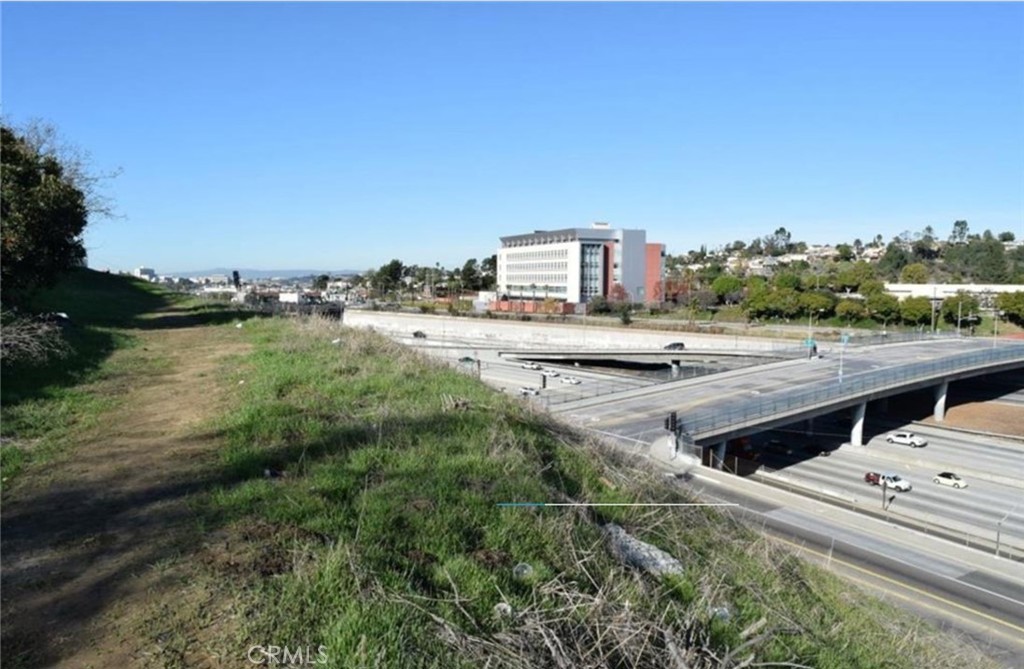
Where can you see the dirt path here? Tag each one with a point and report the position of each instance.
(84, 540)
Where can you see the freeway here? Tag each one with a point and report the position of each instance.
(955, 587)
(973, 514)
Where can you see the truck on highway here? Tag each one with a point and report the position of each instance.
(894, 481)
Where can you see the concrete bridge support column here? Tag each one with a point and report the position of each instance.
(857, 433)
(718, 455)
(675, 369)
(941, 391)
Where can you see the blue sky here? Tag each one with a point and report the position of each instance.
(341, 135)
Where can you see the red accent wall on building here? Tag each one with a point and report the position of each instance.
(609, 259)
(653, 286)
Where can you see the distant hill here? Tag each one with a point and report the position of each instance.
(251, 274)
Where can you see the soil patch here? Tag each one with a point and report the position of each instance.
(90, 543)
(995, 417)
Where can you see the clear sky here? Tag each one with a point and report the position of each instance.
(336, 136)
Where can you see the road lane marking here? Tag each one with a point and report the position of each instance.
(913, 588)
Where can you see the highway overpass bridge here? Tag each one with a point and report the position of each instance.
(714, 409)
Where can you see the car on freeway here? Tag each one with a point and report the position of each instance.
(906, 439)
(571, 380)
(894, 481)
(466, 360)
(419, 334)
(550, 373)
(528, 390)
(530, 365)
(950, 479)
(675, 346)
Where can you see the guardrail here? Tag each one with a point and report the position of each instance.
(712, 421)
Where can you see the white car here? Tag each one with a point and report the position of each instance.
(906, 439)
(950, 479)
(571, 380)
(529, 390)
(530, 365)
(550, 373)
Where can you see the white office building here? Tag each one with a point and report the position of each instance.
(577, 264)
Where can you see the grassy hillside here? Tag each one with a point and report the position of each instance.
(361, 516)
(352, 504)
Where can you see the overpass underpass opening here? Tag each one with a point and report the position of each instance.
(656, 371)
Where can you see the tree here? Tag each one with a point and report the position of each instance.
(959, 306)
(728, 288)
(914, 273)
(818, 302)
(44, 215)
(844, 252)
(852, 277)
(787, 280)
(470, 275)
(755, 249)
(894, 260)
(1012, 305)
(617, 293)
(871, 287)
(1007, 236)
(959, 234)
(598, 305)
(882, 307)
(388, 277)
(236, 280)
(850, 310)
(320, 282)
(916, 310)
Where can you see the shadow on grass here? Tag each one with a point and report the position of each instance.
(195, 317)
(80, 545)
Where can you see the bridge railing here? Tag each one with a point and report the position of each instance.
(861, 383)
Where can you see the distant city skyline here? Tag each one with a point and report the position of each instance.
(347, 134)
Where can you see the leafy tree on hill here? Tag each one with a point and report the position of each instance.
(893, 261)
(45, 202)
(787, 280)
(844, 252)
(728, 288)
(960, 232)
(1007, 236)
(853, 276)
(914, 273)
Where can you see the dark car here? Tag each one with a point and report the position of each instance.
(675, 346)
(419, 334)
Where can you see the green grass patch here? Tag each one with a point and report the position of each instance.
(361, 507)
